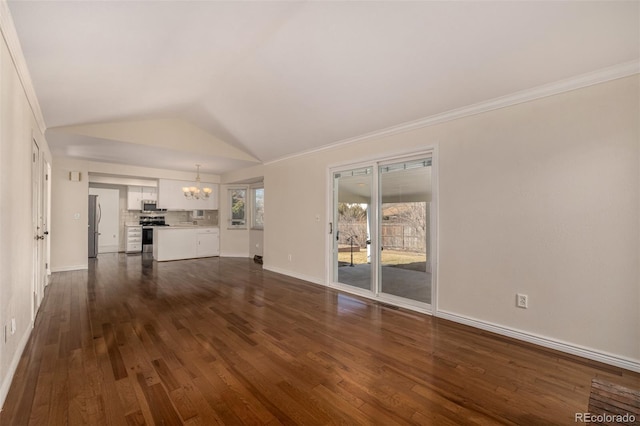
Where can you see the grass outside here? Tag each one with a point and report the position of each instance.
(389, 257)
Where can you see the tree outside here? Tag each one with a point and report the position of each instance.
(238, 197)
(404, 233)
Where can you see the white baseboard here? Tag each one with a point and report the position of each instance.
(8, 378)
(547, 342)
(303, 277)
(70, 268)
(231, 254)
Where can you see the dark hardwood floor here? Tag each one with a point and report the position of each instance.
(220, 341)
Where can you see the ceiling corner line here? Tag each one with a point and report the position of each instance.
(602, 75)
(10, 36)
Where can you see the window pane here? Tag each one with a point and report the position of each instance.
(258, 208)
(237, 197)
(352, 220)
(404, 230)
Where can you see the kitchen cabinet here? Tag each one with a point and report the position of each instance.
(171, 197)
(149, 193)
(176, 242)
(135, 195)
(208, 242)
(133, 235)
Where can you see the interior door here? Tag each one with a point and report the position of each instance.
(352, 196)
(38, 229)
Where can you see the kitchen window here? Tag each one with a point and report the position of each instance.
(257, 209)
(237, 208)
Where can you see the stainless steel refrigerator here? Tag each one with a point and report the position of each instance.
(94, 221)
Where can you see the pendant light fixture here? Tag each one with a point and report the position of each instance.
(196, 192)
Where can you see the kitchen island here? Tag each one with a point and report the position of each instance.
(185, 242)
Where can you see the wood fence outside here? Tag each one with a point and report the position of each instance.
(395, 236)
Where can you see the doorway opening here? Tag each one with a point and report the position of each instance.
(104, 220)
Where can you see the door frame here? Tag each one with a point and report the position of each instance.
(38, 272)
(375, 162)
(332, 246)
(108, 200)
(46, 204)
(41, 220)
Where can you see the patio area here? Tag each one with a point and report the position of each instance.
(398, 280)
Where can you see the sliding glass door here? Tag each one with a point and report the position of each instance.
(405, 229)
(382, 231)
(351, 223)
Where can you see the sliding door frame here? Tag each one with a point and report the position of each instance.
(331, 267)
(333, 227)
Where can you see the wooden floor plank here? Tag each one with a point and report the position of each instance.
(222, 341)
(162, 410)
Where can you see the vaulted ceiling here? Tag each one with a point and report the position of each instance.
(230, 84)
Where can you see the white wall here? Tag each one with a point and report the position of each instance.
(69, 209)
(256, 242)
(295, 192)
(18, 127)
(238, 242)
(547, 205)
(541, 198)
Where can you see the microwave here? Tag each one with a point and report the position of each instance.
(148, 206)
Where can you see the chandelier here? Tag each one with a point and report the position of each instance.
(196, 192)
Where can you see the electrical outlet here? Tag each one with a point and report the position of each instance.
(289, 258)
(522, 301)
(13, 326)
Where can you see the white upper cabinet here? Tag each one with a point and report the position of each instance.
(171, 197)
(149, 193)
(135, 195)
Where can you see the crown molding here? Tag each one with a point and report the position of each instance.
(10, 36)
(584, 80)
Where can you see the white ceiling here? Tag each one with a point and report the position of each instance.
(277, 78)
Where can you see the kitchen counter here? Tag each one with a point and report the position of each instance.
(185, 242)
(191, 225)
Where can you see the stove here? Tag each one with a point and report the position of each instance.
(148, 221)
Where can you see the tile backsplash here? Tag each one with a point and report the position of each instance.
(172, 218)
